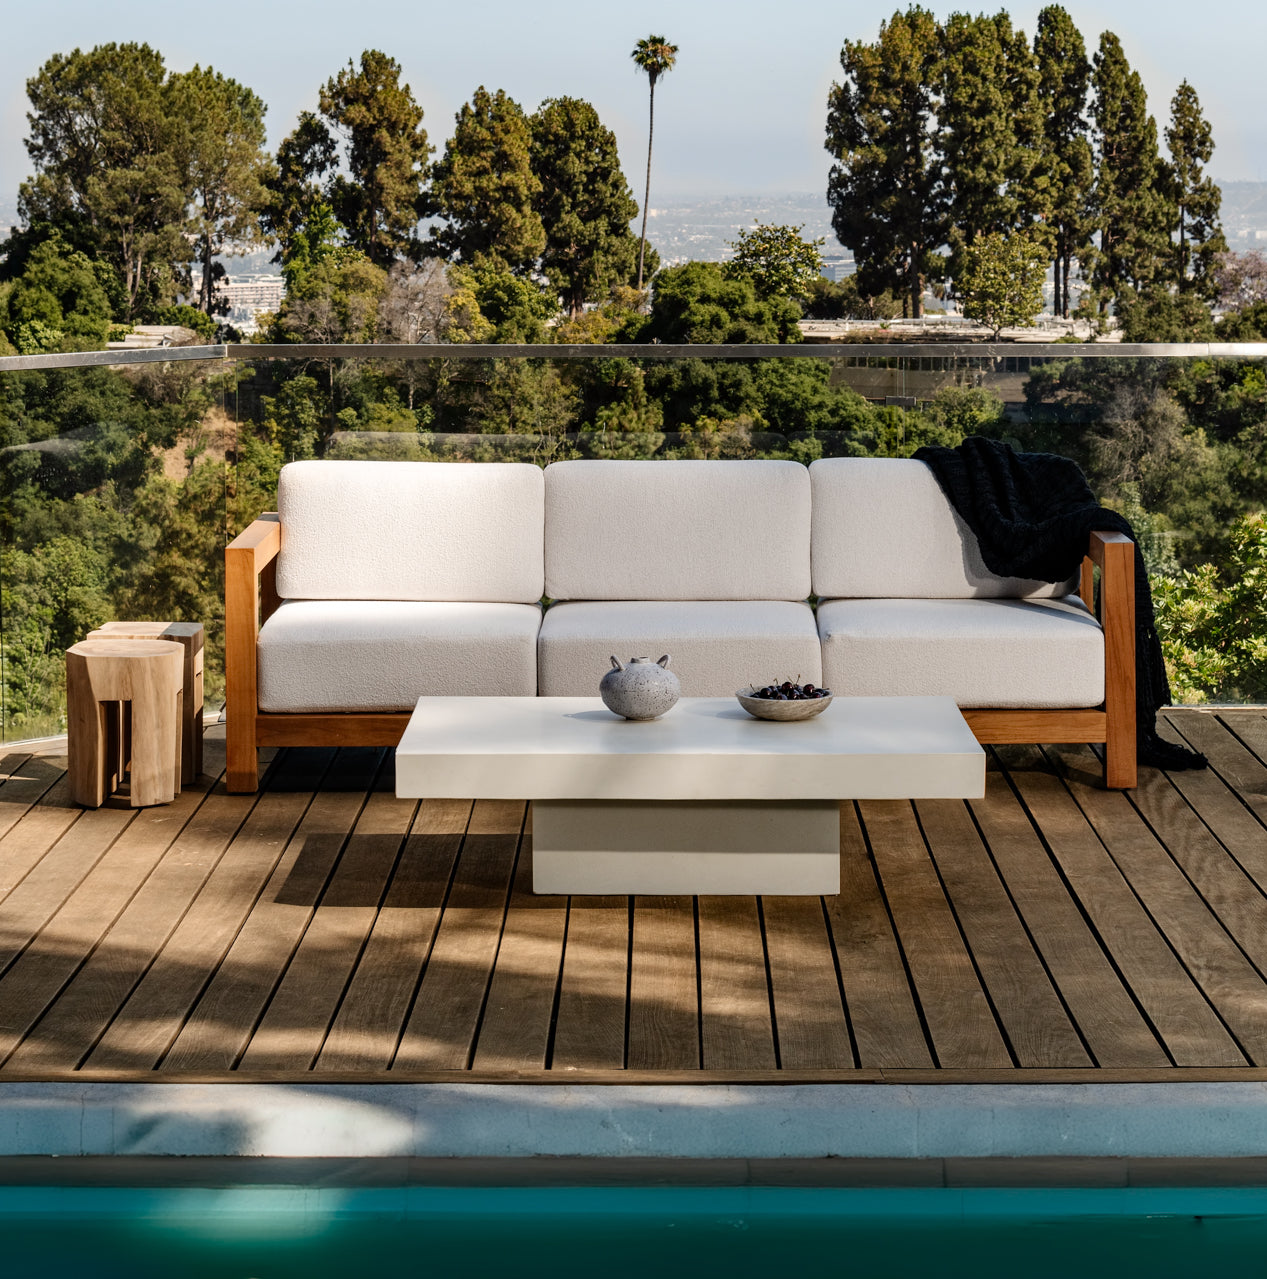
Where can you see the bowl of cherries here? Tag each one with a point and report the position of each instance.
(784, 701)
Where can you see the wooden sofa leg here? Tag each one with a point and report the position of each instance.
(242, 772)
(1117, 613)
(1120, 770)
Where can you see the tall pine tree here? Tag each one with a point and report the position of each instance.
(1064, 76)
(1195, 199)
(584, 203)
(990, 131)
(485, 188)
(886, 189)
(1132, 212)
(378, 201)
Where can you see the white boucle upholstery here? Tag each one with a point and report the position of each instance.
(382, 655)
(411, 531)
(677, 531)
(717, 647)
(1027, 654)
(883, 529)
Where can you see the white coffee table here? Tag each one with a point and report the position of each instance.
(704, 800)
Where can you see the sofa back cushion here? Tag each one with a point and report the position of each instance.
(411, 531)
(677, 531)
(883, 529)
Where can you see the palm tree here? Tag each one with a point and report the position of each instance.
(655, 55)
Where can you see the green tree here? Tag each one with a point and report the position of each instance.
(220, 147)
(1064, 76)
(61, 289)
(485, 188)
(1001, 282)
(700, 302)
(379, 199)
(1194, 198)
(584, 202)
(1131, 209)
(777, 260)
(1213, 621)
(102, 134)
(656, 56)
(886, 189)
(989, 130)
(295, 198)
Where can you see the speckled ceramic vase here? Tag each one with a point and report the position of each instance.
(642, 690)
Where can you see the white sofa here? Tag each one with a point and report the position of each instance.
(380, 582)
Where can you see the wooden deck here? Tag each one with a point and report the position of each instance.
(324, 929)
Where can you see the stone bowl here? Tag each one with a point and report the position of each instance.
(764, 708)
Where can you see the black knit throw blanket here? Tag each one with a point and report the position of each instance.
(1033, 515)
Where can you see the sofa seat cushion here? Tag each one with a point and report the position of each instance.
(1026, 654)
(382, 655)
(717, 647)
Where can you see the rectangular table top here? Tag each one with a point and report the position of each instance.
(704, 748)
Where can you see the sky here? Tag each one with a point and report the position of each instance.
(742, 113)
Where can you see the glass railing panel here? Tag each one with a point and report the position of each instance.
(118, 487)
(123, 483)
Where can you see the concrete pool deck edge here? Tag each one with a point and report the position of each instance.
(480, 1134)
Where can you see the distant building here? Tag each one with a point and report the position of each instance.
(837, 268)
(249, 296)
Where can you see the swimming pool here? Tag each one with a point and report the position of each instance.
(653, 1233)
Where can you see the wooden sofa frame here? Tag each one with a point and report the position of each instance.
(251, 596)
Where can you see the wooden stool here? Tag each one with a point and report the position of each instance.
(123, 712)
(189, 636)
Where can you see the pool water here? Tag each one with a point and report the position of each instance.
(609, 1233)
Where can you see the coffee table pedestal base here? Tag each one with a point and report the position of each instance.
(623, 847)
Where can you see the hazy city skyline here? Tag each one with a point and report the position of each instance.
(742, 113)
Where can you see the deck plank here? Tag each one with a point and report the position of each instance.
(1216, 963)
(83, 1011)
(515, 1031)
(1102, 1007)
(1232, 896)
(154, 1017)
(72, 935)
(882, 1012)
(368, 1026)
(810, 1021)
(303, 1007)
(55, 876)
(663, 990)
(1222, 811)
(1037, 1027)
(225, 1013)
(736, 1030)
(441, 1031)
(24, 780)
(1251, 727)
(37, 828)
(1178, 1012)
(1229, 757)
(594, 986)
(963, 1029)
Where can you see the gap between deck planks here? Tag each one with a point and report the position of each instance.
(1050, 931)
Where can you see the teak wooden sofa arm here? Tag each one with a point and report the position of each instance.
(250, 596)
(1114, 722)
